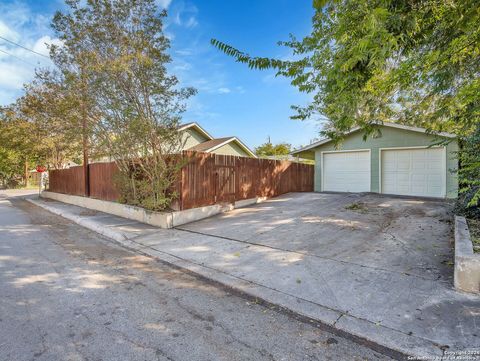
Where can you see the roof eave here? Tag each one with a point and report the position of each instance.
(229, 140)
(386, 124)
(197, 127)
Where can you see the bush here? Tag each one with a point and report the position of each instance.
(148, 182)
(469, 176)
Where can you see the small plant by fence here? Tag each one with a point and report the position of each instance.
(206, 179)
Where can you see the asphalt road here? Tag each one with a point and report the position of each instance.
(68, 294)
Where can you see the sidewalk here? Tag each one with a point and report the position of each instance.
(301, 284)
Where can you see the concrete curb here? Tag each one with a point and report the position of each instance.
(388, 341)
(167, 219)
(467, 263)
(93, 226)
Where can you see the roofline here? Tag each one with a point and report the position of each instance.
(247, 149)
(386, 124)
(198, 127)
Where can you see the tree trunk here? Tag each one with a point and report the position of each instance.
(26, 172)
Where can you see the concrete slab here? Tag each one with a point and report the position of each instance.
(386, 260)
(381, 270)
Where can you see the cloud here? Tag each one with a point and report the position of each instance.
(224, 90)
(184, 52)
(191, 22)
(184, 14)
(6, 32)
(198, 111)
(31, 30)
(41, 44)
(163, 4)
(12, 76)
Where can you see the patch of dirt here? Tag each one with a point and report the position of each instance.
(474, 228)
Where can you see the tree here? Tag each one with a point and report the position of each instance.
(17, 147)
(12, 161)
(269, 149)
(469, 175)
(52, 113)
(365, 61)
(115, 56)
(406, 61)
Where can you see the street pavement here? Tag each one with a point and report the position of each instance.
(69, 294)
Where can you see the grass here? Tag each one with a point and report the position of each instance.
(474, 228)
(357, 206)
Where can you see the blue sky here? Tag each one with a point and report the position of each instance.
(231, 99)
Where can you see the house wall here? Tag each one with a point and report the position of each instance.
(231, 149)
(191, 138)
(391, 137)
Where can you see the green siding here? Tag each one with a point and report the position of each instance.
(192, 138)
(231, 149)
(391, 138)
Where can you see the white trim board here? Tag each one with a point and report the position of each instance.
(229, 140)
(197, 127)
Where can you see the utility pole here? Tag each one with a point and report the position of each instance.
(86, 174)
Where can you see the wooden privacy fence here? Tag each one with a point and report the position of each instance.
(212, 178)
(68, 181)
(206, 179)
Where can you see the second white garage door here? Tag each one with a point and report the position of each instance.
(414, 172)
(346, 171)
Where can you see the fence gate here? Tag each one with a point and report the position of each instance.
(225, 179)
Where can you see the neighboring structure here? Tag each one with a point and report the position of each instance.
(199, 140)
(402, 160)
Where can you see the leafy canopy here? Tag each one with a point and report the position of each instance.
(269, 149)
(365, 61)
(115, 56)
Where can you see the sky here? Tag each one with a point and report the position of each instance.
(232, 100)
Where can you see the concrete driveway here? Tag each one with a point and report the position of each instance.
(397, 235)
(374, 266)
(371, 266)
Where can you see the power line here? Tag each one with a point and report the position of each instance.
(3, 51)
(21, 46)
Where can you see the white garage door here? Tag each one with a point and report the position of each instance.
(346, 171)
(414, 172)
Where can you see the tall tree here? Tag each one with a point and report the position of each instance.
(115, 53)
(52, 113)
(16, 148)
(408, 61)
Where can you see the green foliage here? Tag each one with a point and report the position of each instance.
(154, 193)
(52, 114)
(469, 176)
(114, 56)
(269, 149)
(365, 61)
(39, 128)
(11, 167)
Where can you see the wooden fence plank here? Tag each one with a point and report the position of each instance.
(102, 181)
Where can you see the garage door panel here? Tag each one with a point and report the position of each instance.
(416, 172)
(346, 171)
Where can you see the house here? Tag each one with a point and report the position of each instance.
(401, 160)
(198, 139)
